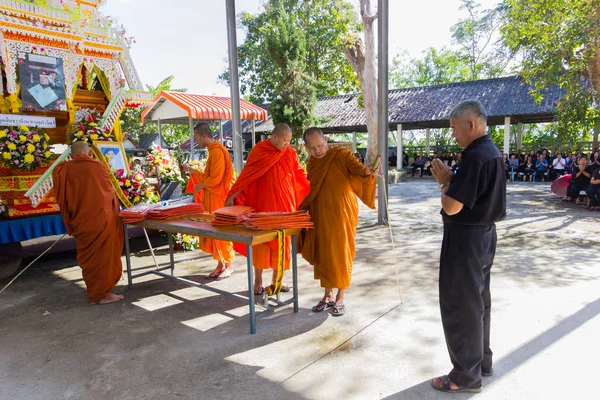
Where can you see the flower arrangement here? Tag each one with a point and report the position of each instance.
(136, 187)
(186, 242)
(24, 148)
(87, 127)
(167, 166)
(3, 210)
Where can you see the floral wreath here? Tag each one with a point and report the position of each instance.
(87, 127)
(24, 148)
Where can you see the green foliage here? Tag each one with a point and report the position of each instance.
(436, 67)
(557, 40)
(131, 118)
(320, 25)
(295, 96)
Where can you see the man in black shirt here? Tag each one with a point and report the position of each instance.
(593, 191)
(580, 180)
(472, 201)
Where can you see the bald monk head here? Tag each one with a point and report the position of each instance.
(315, 142)
(203, 135)
(282, 136)
(80, 148)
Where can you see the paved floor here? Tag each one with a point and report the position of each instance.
(167, 341)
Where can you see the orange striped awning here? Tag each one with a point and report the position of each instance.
(207, 107)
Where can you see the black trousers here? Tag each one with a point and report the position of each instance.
(593, 192)
(465, 301)
(574, 189)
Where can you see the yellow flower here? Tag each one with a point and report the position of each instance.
(2, 134)
(23, 138)
(127, 182)
(106, 134)
(186, 239)
(12, 146)
(93, 124)
(79, 134)
(36, 138)
(47, 154)
(30, 148)
(137, 198)
(45, 146)
(93, 136)
(24, 128)
(6, 156)
(46, 137)
(28, 158)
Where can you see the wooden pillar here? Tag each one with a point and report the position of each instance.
(191, 122)
(399, 149)
(596, 132)
(506, 135)
(253, 133)
(519, 136)
(427, 132)
(354, 142)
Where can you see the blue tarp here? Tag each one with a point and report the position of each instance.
(17, 230)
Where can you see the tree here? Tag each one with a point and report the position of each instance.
(361, 55)
(294, 97)
(435, 68)
(131, 118)
(477, 37)
(321, 24)
(559, 41)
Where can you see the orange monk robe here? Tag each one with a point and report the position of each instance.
(217, 179)
(272, 180)
(335, 181)
(90, 212)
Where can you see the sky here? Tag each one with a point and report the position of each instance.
(188, 38)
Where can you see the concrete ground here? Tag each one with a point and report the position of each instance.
(169, 341)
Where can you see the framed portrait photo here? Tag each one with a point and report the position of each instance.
(113, 155)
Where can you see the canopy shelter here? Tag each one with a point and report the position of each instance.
(507, 101)
(189, 109)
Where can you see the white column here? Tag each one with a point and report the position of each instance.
(519, 136)
(191, 138)
(506, 135)
(160, 139)
(253, 133)
(399, 150)
(354, 142)
(427, 132)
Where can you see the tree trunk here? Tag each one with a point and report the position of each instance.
(362, 59)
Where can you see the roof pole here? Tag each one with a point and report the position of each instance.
(253, 133)
(236, 123)
(399, 149)
(160, 138)
(221, 131)
(382, 108)
(506, 135)
(191, 121)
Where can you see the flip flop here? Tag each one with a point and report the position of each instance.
(262, 290)
(322, 305)
(338, 311)
(489, 372)
(446, 387)
(285, 288)
(228, 272)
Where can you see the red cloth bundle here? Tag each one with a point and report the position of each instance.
(227, 216)
(176, 211)
(136, 213)
(278, 220)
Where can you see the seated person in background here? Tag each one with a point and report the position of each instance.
(541, 167)
(456, 164)
(393, 161)
(505, 164)
(558, 166)
(574, 165)
(579, 181)
(595, 161)
(404, 160)
(428, 166)
(528, 169)
(420, 161)
(513, 165)
(520, 156)
(360, 157)
(593, 191)
(532, 154)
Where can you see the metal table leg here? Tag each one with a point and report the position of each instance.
(127, 256)
(295, 272)
(170, 236)
(251, 289)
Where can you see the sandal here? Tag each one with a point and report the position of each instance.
(446, 386)
(322, 305)
(224, 274)
(489, 372)
(262, 290)
(338, 311)
(285, 288)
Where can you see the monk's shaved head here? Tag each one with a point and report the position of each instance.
(313, 131)
(203, 129)
(282, 136)
(203, 134)
(80, 148)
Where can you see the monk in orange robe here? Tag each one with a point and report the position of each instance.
(90, 212)
(272, 180)
(336, 178)
(210, 189)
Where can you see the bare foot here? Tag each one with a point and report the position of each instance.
(217, 271)
(258, 289)
(225, 274)
(438, 383)
(111, 298)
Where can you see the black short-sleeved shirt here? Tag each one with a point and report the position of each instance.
(479, 184)
(596, 174)
(582, 180)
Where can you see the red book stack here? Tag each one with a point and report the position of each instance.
(228, 216)
(176, 210)
(136, 213)
(278, 220)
